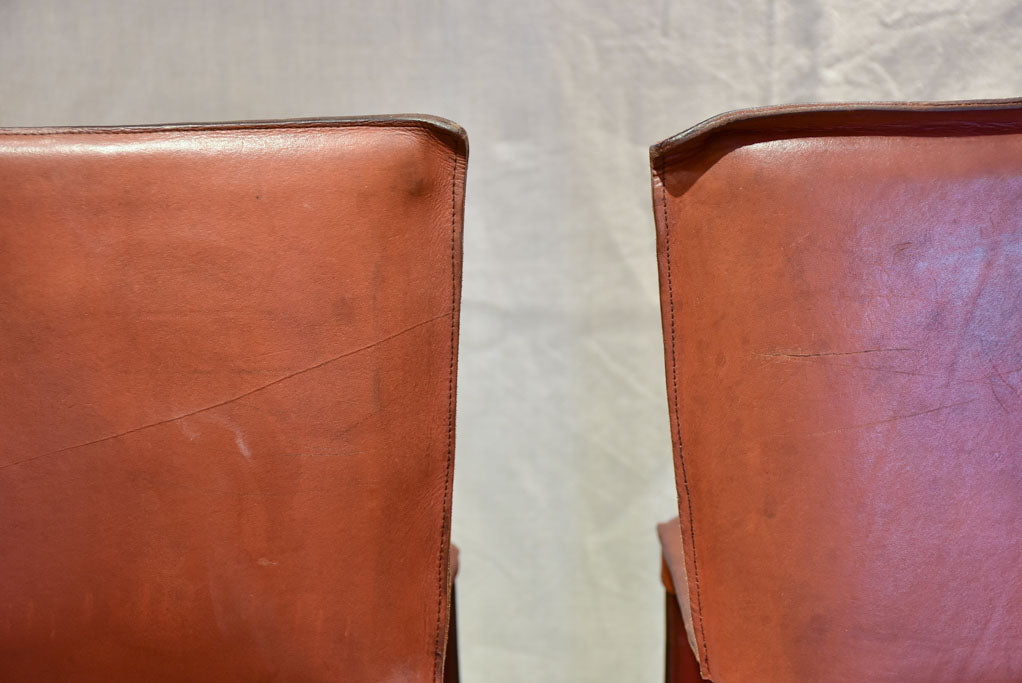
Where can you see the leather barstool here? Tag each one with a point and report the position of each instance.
(843, 334)
(227, 426)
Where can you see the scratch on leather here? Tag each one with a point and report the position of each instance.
(996, 397)
(997, 372)
(250, 392)
(993, 388)
(895, 418)
(817, 354)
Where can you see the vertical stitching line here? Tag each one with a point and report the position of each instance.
(441, 587)
(677, 415)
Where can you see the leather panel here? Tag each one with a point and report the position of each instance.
(226, 436)
(839, 287)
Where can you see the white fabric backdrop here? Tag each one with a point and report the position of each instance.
(563, 457)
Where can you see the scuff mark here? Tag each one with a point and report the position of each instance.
(239, 440)
(239, 436)
(188, 431)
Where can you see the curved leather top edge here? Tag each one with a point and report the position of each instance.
(446, 131)
(666, 150)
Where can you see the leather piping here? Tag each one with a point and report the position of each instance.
(771, 119)
(443, 130)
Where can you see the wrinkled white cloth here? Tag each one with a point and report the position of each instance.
(563, 455)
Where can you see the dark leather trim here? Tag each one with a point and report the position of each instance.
(872, 116)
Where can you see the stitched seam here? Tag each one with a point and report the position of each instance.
(677, 419)
(444, 525)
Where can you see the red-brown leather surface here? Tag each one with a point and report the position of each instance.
(842, 322)
(228, 357)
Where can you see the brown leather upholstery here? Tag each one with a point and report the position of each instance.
(227, 426)
(673, 575)
(840, 296)
(681, 660)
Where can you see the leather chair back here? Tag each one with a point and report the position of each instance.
(227, 420)
(840, 291)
